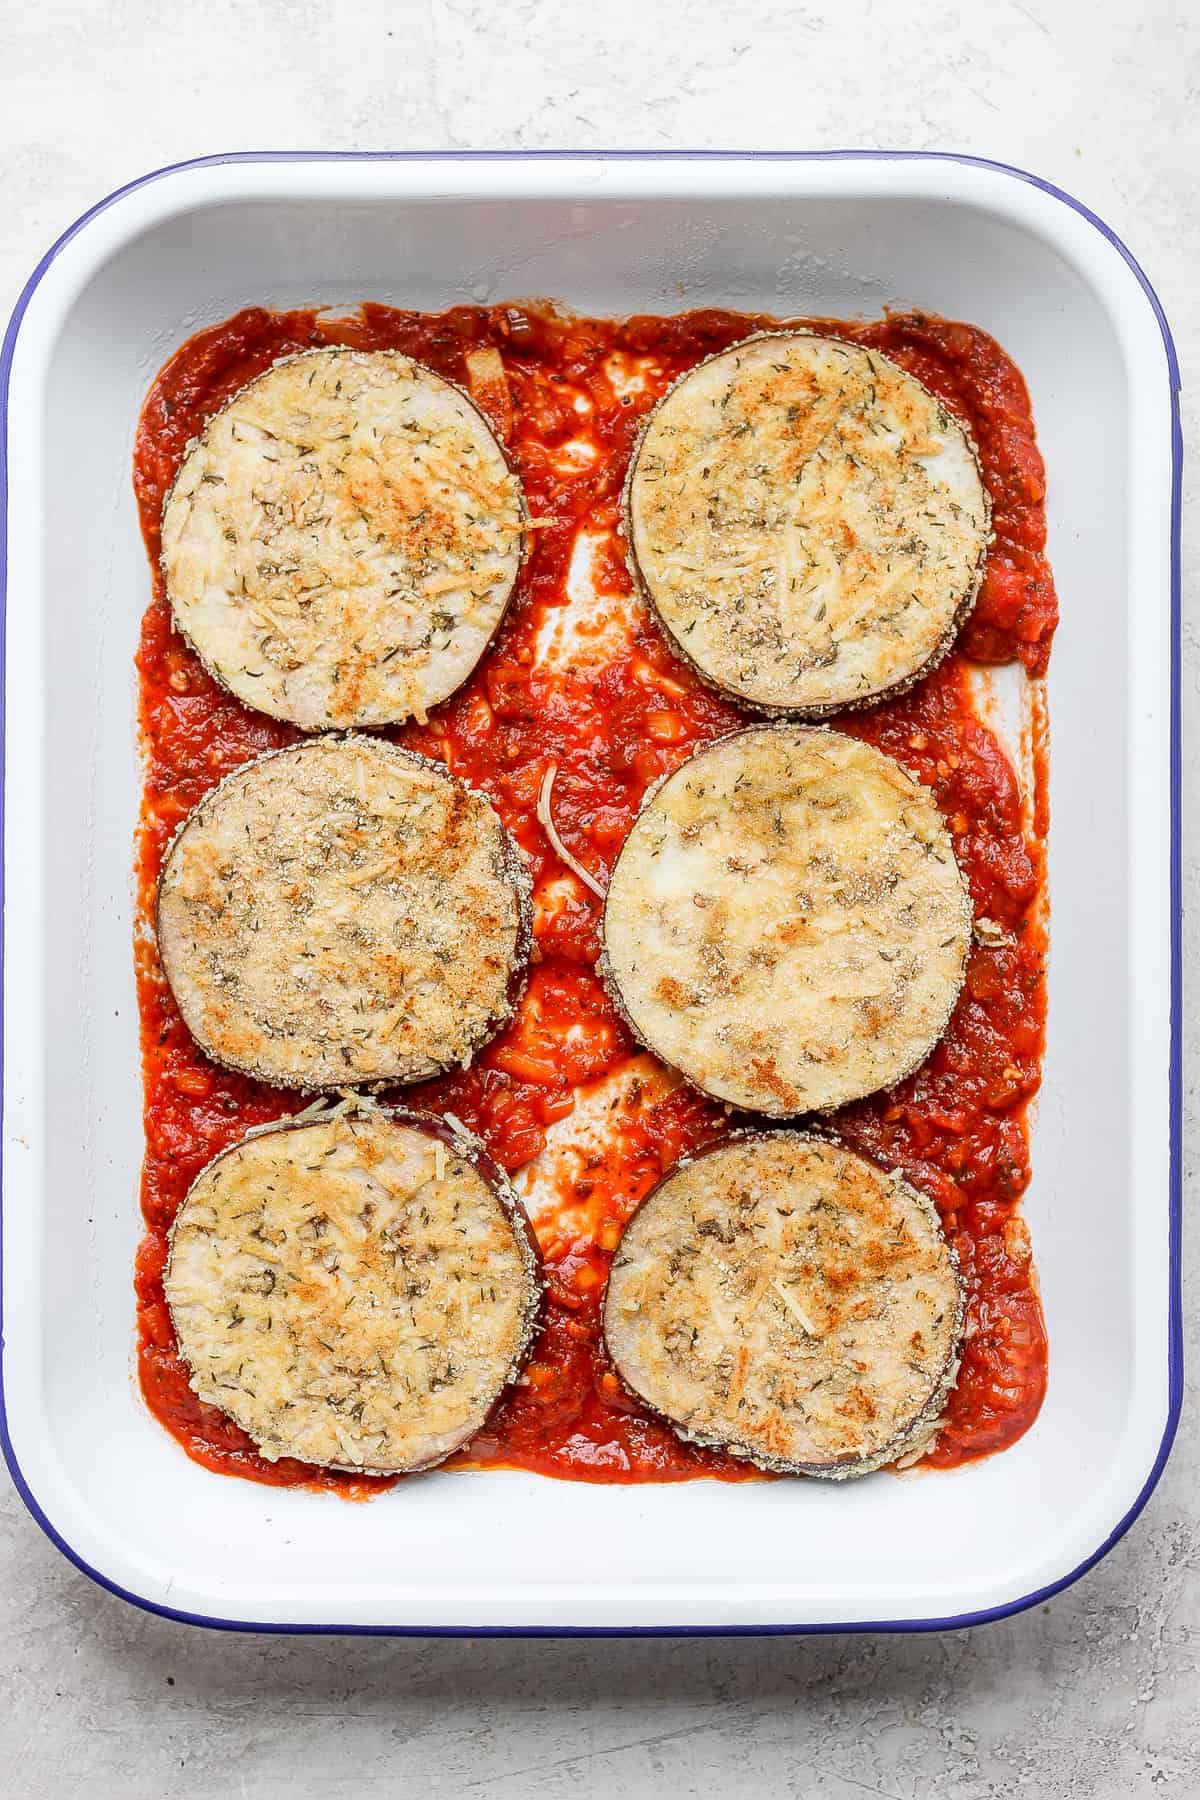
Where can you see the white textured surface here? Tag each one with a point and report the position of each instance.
(1091, 1696)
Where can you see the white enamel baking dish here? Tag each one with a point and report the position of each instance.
(829, 234)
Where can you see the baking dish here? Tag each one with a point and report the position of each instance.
(824, 234)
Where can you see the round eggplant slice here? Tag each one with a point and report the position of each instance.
(356, 1292)
(786, 1300)
(808, 521)
(342, 540)
(786, 923)
(341, 912)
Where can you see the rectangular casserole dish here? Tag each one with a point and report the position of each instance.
(823, 234)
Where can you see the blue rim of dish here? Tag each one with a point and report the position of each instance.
(1175, 1079)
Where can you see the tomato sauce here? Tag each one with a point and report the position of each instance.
(612, 711)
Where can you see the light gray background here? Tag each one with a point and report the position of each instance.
(1093, 1695)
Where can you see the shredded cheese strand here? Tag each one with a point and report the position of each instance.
(356, 1101)
(320, 1111)
(546, 821)
(316, 1109)
(806, 1324)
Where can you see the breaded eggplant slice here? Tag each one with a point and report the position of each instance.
(784, 1299)
(356, 1292)
(786, 923)
(342, 540)
(808, 521)
(342, 912)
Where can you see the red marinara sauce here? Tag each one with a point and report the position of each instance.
(613, 716)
